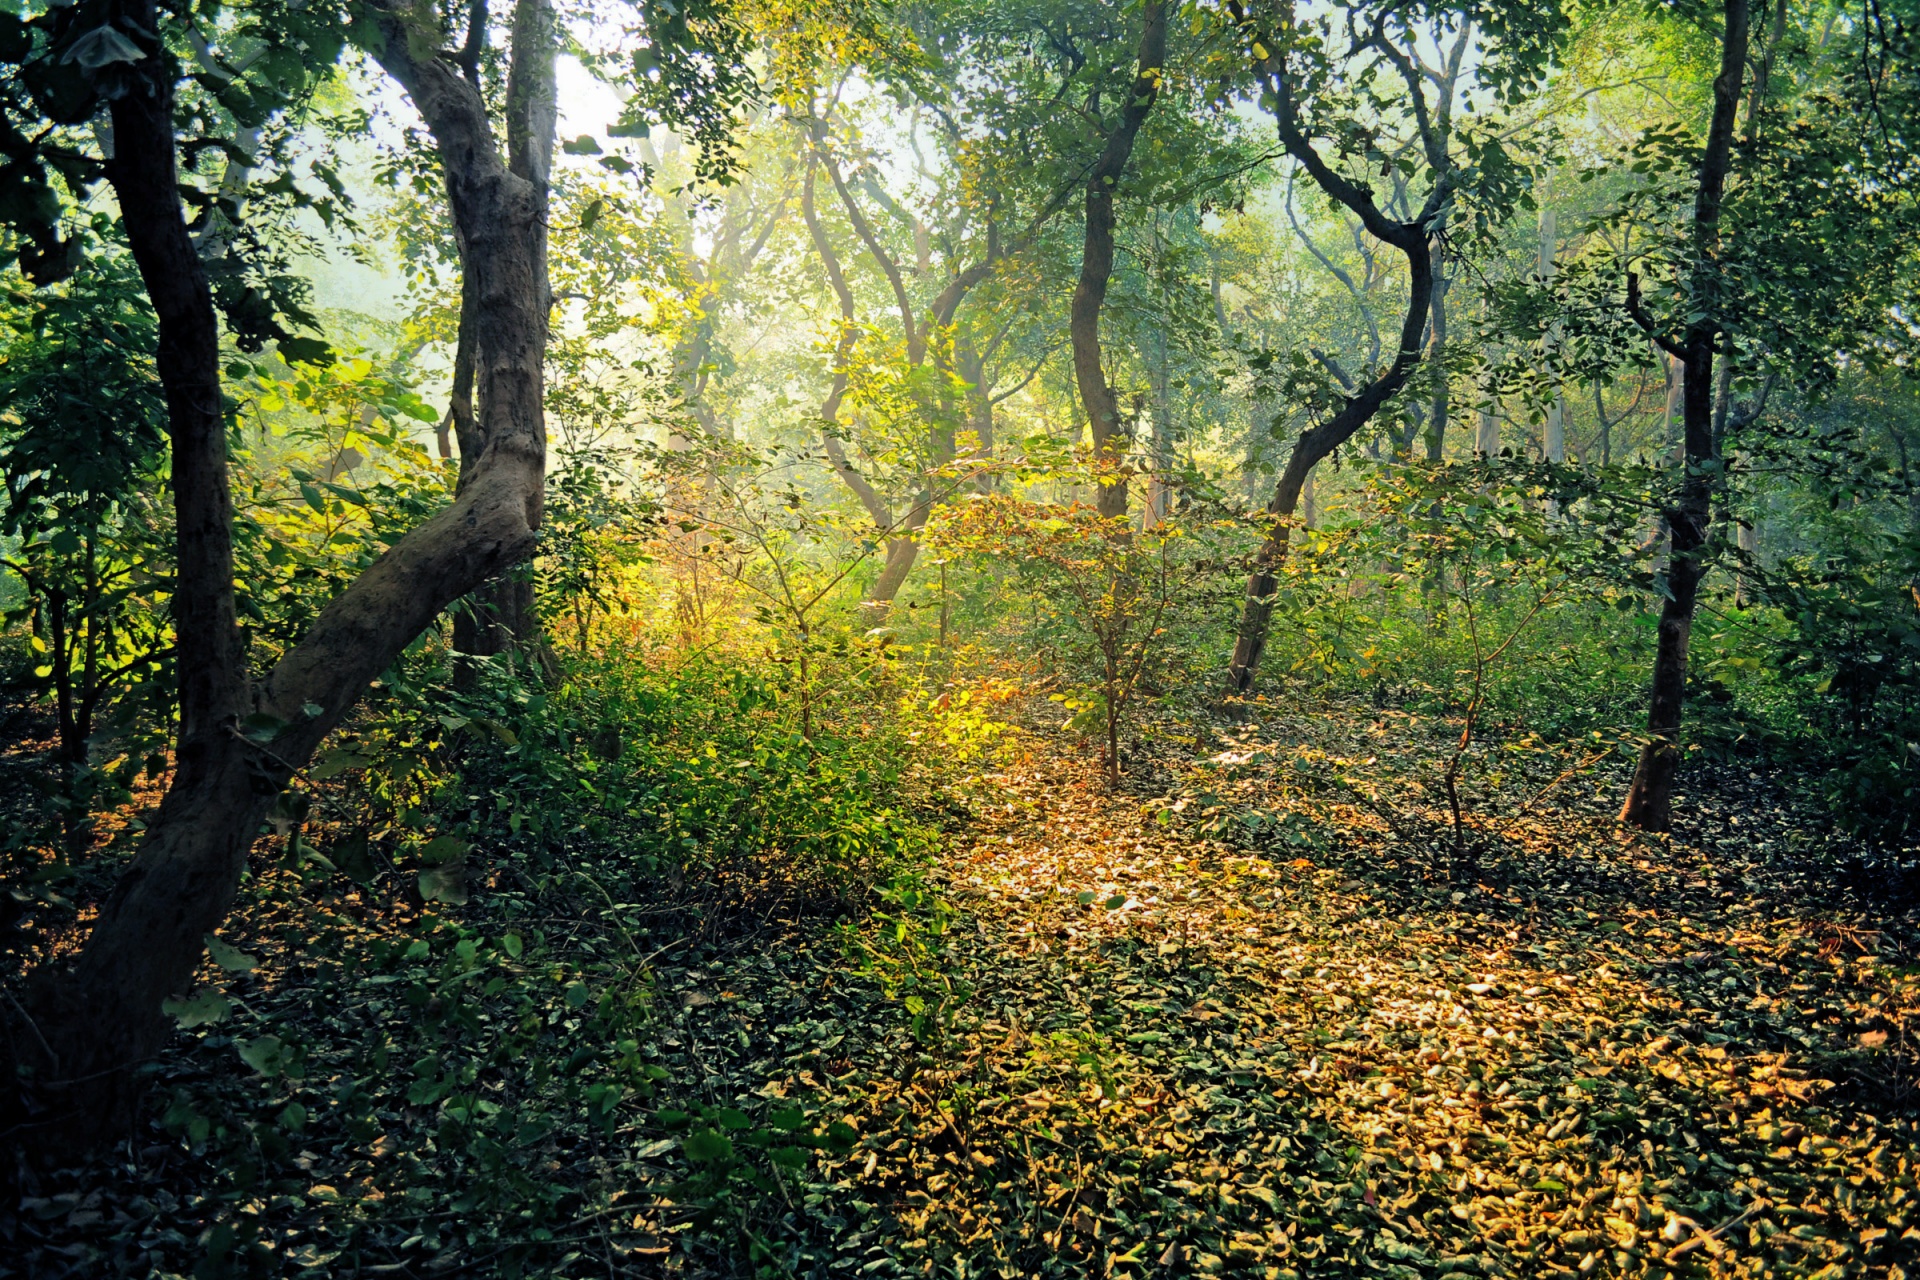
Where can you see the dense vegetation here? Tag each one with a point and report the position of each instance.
(982, 637)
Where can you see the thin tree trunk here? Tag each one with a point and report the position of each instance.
(1096, 264)
(91, 1025)
(1161, 450)
(1486, 428)
(901, 550)
(1649, 802)
(1441, 402)
(1554, 446)
(973, 371)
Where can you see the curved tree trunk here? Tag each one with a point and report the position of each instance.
(91, 1025)
(1412, 239)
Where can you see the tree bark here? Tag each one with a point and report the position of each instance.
(1486, 423)
(1096, 263)
(1649, 802)
(91, 1025)
(1161, 448)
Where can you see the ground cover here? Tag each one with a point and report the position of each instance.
(1256, 1013)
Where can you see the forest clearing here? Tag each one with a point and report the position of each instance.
(960, 638)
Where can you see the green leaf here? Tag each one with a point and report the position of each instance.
(577, 994)
(446, 884)
(584, 145)
(265, 1054)
(497, 731)
(203, 1008)
(336, 762)
(705, 1146)
(444, 849)
(354, 855)
(306, 351)
(512, 945)
(229, 957)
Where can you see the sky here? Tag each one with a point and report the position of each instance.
(587, 106)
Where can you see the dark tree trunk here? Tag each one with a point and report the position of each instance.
(1314, 444)
(1649, 803)
(90, 1026)
(1096, 263)
(1412, 239)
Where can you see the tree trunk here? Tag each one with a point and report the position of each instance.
(90, 1026)
(1412, 240)
(1554, 445)
(1441, 403)
(1486, 423)
(1096, 264)
(973, 371)
(1161, 448)
(1649, 802)
(901, 553)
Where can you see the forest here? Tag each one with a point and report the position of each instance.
(960, 638)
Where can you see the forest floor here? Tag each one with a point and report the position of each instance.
(1256, 1013)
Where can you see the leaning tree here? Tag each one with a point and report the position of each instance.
(136, 95)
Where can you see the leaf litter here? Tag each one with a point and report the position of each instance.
(1257, 1015)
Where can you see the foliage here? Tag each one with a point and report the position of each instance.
(81, 449)
(1108, 594)
(762, 912)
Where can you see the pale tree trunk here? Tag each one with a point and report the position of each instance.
(1161, 449)
(1554, 445)
(90, 1025)
(1486, 433)
(1096, 264)
(1649, 802)
(972, 369)
(1748, 538)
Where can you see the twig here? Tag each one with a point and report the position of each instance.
(1588, 763)
(1701, 1238)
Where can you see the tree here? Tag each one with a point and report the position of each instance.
(240, 740)
(1649, 798)
(1096, 259)
(1299, 80)
(1794, 269)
